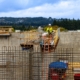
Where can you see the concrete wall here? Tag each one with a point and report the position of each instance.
(13, 40)
(68, 40)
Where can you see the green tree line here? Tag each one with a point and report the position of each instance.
(29, 23)
(70, 24)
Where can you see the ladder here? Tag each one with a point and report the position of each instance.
(46, 46)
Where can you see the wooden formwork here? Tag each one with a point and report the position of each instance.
(31, 36)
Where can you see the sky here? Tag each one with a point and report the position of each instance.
(40, 8)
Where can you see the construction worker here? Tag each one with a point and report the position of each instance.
(50, 34)
(49, 29)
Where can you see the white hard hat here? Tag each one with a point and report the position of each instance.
(39, 27)
(49, 24)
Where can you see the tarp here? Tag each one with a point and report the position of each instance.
(58, 64)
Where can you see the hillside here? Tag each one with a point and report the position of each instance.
(27, 21)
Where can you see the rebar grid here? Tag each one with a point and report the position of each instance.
(14, 64)
(41, 62)
(18, 64)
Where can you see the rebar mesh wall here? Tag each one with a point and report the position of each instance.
(41, 61)
(18, 64)
(14, 64)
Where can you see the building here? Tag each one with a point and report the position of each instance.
(6, 30)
